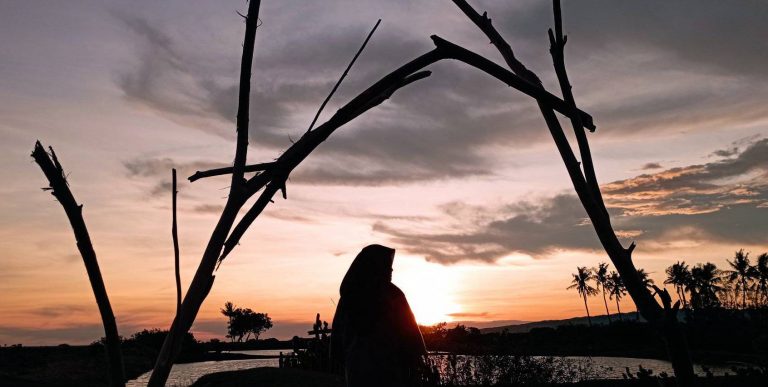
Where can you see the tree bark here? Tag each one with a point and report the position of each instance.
(589, 318)
(607, 313)
(60, 189)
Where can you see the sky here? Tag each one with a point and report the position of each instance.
(457, 172)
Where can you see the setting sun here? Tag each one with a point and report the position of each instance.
(429, 287)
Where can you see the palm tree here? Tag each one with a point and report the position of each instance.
(679, 275)
(616, 289)
(645, 279)
(741, 274)
(601, 280)
(229, 311)
(647, 282)
(705, 285)
(761, 276)
(581, 283)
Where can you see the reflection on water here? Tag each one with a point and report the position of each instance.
(185, 374)
(614, 367)
(607, 367)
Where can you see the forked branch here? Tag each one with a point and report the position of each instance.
(586, 185)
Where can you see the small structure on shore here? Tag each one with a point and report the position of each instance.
(316, 355)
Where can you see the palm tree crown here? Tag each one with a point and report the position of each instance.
(705, 284)
(679, 275)
(616, 289)
(601, 282)
(741, 274)
(580, 282)
(761, 276)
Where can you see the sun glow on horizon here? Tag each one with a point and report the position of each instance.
(429, 287)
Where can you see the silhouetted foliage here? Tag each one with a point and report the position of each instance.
(580, 282)
(244, 322)
(679, 275)
(601, 282)
(616, 289)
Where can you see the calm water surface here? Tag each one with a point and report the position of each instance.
(183, 375)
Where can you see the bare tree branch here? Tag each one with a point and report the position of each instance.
(175, 236)
(484, 23)
(515, 80)
(336, 86)
(310, 140)
(60, 190)
(227, 170)
(557, 49)
(243, 103)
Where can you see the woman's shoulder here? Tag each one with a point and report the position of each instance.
(395, 291)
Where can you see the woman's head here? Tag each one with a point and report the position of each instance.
(371, 268)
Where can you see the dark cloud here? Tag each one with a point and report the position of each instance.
(60, 310)
(652, 65)
(434, 131)
(441, 127)
(208, 209)
(651, 166)
(696, 188)
(531, 228)
(703, 33)
(722, 201)
(158, 170)
(81, 334)
(154, 167)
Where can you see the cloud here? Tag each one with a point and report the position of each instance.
(695, 188)
(722, 201)
(208, 209)
(699, 32)
(651, 166)
(409, 138)
(465, 315)
(158, 170)
(59, 311)
(661, 74)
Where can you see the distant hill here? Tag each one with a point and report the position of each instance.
(526, 327)
(487, 324)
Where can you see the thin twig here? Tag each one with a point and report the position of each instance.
(336, 86)
(175, 235)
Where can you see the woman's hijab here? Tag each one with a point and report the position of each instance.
(371, 268)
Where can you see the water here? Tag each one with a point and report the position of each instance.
(183, 375)
(614, 367)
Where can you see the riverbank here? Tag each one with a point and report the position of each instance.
(69, 365)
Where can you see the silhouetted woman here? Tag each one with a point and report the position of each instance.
(375, 339)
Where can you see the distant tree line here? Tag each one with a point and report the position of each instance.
(703, 286)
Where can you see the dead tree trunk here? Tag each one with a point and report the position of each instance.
(60, 190)
(588, 190)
